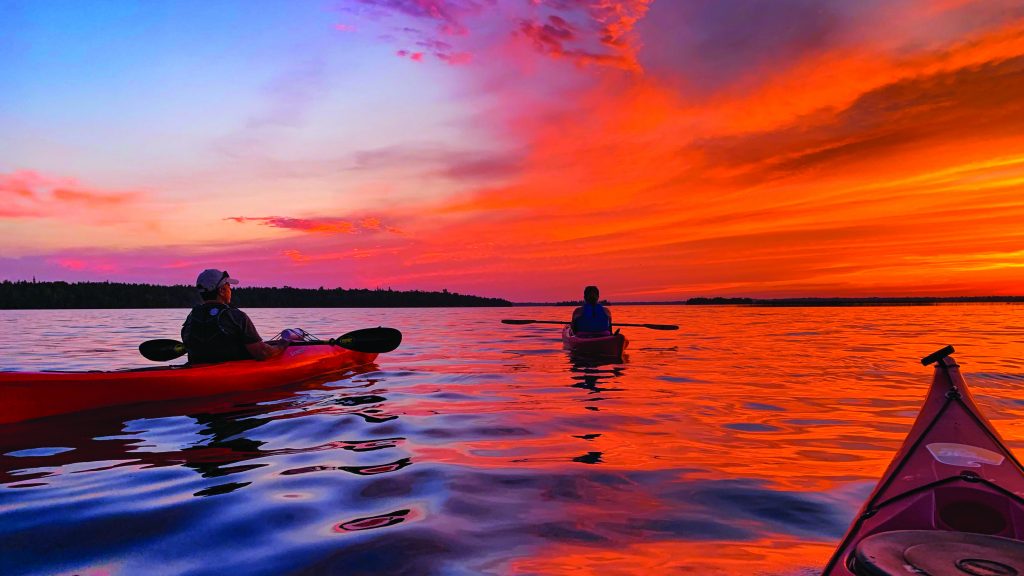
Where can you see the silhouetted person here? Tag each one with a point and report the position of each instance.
(591, 319)
(216, 332)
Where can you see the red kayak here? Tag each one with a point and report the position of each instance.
(603, 346)
(27, 395)
(952, 500)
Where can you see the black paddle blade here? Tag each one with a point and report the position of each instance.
(376, 340)
(661, 326)
(162, 350)
(514, 321)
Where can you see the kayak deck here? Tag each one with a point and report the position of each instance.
(28, 395)
(953, 473)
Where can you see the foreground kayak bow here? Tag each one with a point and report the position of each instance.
(950, 503)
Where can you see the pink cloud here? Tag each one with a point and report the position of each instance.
(79, 265)
(597, 32)
(71, 264)
(447, 17)
(414, 56)
(582, 31)
(457, 58)
(29, 194)
(10, 211)
(20, 183)
(549, 37)
(444, 51)
(180, 264)
(344, 27)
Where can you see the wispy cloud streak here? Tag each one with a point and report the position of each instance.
(318, 225)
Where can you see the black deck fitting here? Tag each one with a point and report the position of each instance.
(937, 355)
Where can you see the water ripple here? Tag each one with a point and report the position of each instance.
(742, 444)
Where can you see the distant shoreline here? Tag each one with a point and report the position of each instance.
(812, 302)
(33, 295)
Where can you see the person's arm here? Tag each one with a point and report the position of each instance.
(575, 316)
(609, 313)
(186, 329)
(257, 348)
(263, 351)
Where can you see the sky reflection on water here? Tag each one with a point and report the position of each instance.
(741, 444)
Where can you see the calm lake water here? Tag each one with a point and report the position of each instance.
(741, 444)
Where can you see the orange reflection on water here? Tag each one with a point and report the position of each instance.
(742, 443)
(720, 559)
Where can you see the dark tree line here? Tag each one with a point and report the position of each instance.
(567, 303)
(719, 300)
(869, 301)
(43, 295)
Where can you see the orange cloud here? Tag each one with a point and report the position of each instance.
(317, 225)
(296, 256)
(844, 188)
(93, 198)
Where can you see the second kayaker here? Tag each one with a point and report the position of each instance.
(216, 332)
(591, 319)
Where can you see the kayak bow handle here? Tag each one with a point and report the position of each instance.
(937, 355)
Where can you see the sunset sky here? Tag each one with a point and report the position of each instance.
(661, 149)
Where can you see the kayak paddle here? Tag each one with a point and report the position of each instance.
(651, 326)
(162, 350)
(376, 340)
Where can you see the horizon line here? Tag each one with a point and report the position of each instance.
(710, 300)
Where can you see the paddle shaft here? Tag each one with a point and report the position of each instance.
(375, 340)
(651, 326)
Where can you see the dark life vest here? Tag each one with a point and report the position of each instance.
(594, 318)
(212, 333)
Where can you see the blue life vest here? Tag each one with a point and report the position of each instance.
(593, 319)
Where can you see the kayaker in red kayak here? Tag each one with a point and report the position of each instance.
(591, 319)
(216, 332)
